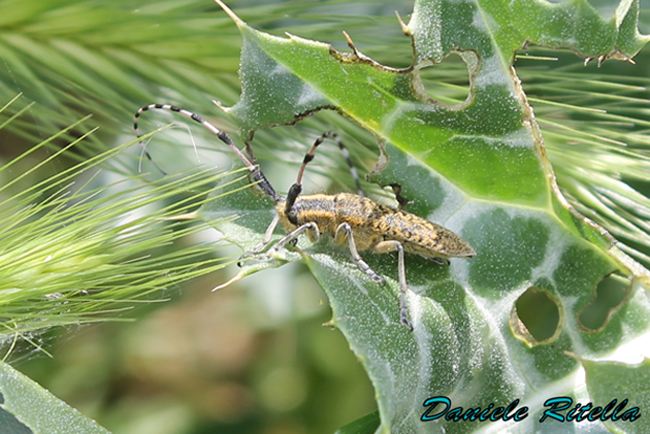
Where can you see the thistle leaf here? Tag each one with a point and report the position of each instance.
(480, 169)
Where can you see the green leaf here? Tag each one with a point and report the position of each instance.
(613, 382)
(365, 425)
(27, 408)
(478, 168)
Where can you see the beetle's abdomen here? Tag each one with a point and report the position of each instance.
(417, 235)
(423, 237)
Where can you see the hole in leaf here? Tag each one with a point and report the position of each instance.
(535, 318)
(611, 292)
(447, 82)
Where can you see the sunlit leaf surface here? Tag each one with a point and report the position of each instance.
(27, 408)
(479, 169)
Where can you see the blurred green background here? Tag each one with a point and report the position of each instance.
(254, 357)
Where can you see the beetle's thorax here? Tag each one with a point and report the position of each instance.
(316, 208)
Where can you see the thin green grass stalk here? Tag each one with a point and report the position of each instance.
(78, 254)
(170, 54)
(593, 125)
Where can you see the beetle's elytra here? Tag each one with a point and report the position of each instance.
(344, 217)
(373, 223)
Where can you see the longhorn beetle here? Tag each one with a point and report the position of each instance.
(363, 223)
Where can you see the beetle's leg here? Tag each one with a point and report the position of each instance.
(391, 246)
(397, 191)
(441, 261)
(267, 235)
(344, 230)
(250, 153)
(267, 239)
(310, 227)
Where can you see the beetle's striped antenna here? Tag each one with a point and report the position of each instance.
(257, 174)
(310, 156)
(296, 188)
